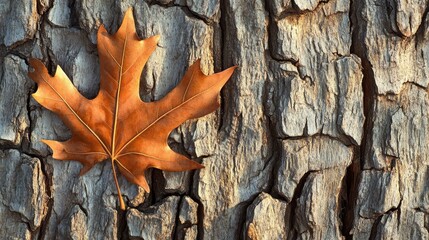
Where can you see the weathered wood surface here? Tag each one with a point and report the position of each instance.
(323, 132)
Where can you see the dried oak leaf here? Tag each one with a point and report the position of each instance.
(117, 125)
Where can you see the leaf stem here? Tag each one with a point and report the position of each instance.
(121, 200)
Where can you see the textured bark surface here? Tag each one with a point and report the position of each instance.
(323, 131)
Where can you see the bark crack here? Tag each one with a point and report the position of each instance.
(185, 8)
(357, 25)
(292, 206)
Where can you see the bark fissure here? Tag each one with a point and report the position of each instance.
(221, 63)
(184, 8)
(354, 170)
(350, 188)
(292, 206)
(176, 221)
(50, 204)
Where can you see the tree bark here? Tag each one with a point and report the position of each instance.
(323, 130)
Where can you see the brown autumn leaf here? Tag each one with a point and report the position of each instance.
(117, 125)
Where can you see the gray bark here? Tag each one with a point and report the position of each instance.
(323, 131)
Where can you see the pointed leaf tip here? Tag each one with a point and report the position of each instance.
(231, 69)
(129, 15)
(102, 30)
(45, 141)
(85, 168)
(129, 11)
(146, 188)
(34, 63)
